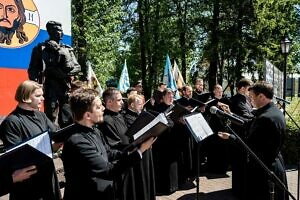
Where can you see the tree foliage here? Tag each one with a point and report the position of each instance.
(225, 38)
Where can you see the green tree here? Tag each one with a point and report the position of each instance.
(97, 34)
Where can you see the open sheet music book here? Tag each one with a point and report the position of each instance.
(35, 151)
(198, 126)
(150, 127)
(40, 142)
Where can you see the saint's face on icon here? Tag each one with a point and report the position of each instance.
(9, 12)
(12, 19)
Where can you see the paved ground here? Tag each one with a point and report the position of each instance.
(211, 187)
(219, 188)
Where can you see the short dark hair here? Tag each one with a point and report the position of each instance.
(81, 101)
(167, 91)
(262, 87)
(244, 82)
(109, 93)
(137, 83)
(185, 87)
(161, 83)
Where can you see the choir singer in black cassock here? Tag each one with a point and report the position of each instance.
(188, 150)
(217, 162)
(241, 106)
(91, 166)
(23, 123)
(265, 137)
(165, 151)
(199, 88)
(115, 127)
(144, 171)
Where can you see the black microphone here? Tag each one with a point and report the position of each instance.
(220, 113)
(281, 99)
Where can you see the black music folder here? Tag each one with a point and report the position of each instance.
(142, 120)
(145, 127)
(204, 97)
(35, 151)
(198, 126)
(177, 112)
(62, 134)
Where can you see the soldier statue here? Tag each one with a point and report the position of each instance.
(54, 65)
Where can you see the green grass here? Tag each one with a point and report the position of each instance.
(293, 110)
(291, 146)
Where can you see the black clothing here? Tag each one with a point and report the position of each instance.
(144, 171)
(130, 116)
(197, 94)
(165, 157)
(90, 164)
(265, 137)
(212, 146)
(157, 96)
(201, 96)
(241, 106)
(187, 102)
(6, 182)
(188, 146)
(115, 127)
(21, 125)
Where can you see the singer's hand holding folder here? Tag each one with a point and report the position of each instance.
(35, 151)
(145, 127)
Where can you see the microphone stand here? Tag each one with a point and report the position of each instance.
(272, 176)
(198, 172)
(285, 112)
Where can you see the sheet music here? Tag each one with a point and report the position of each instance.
(198, 126)
(159, 118)
(41, 142)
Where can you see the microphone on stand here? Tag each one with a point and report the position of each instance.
(281, 99)
(216, 111)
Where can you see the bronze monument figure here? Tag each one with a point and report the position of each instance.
(54, 65)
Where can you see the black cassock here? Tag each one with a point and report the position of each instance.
(265, 137)
(144, 172)
(21, 125)
(114, 128)
(165, 157)
(214, 147)
(241, 106)
(188, 147)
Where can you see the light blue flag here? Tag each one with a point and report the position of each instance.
(168, 78)
(124, 83)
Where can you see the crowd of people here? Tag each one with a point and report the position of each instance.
(97, 166)
(93, 135)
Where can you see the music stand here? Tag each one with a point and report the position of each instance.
(200, 130)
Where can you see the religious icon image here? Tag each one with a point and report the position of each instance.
(19, 23)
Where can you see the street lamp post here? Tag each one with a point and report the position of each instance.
(285, 49)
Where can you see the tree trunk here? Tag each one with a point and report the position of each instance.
(212, 73)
